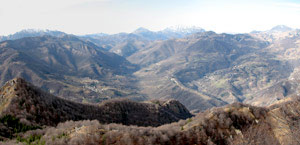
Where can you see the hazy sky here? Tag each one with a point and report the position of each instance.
(113, 16)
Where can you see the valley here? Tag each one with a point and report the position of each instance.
(201, 69)
(149, 72)
(186, 87)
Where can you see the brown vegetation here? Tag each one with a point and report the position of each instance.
(236, 124)
(36, 108)
(218, 126)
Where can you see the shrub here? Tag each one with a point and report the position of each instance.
(31, 140)
(15, 125)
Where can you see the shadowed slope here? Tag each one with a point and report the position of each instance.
(67, 66)
(35, 107)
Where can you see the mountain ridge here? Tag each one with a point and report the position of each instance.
(66, 66)
(219, 61)
(31, 33)
(35, 107)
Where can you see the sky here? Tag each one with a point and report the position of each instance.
(113, 16)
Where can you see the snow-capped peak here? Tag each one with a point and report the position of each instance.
(33, 31)
(141, 30)
(184, 29)
(281, 28)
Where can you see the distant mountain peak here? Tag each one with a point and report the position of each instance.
(184, 29)
(141, 30)
(95, 35)
(38, 31)
(32, 33)
(281, 28)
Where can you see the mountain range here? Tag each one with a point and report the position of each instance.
(208, 69)
(67, 66)
(240, 87)
(200, 69)
(31, 33)
(123, 44)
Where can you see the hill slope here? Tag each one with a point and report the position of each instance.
(209, 69)
(67, 66)
(34, 107)
(235, 124)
